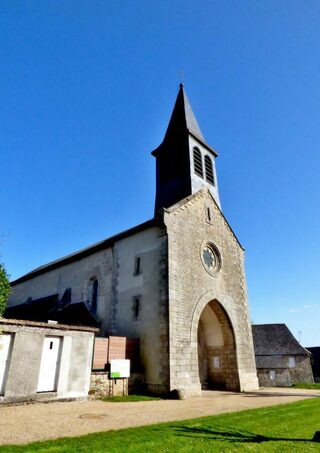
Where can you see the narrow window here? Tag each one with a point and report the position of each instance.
(136, 307)
(208, 214)
(197, 162)
(137, 266)
(209, 170)
(94, 298)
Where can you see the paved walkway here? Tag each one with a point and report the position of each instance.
(41, 421)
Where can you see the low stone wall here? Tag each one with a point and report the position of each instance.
(103, 387)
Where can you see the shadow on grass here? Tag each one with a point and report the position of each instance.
(232, 435)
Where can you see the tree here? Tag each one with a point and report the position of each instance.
(4, 288)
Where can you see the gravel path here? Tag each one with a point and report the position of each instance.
(40, 421)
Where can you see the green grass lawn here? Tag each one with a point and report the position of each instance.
(287, 428)
(307, 386)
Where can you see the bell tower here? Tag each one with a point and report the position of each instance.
(185, 163)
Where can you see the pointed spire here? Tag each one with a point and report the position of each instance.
(176, 165)
(183, 116)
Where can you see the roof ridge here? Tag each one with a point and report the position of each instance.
(105, 243)
(191, 120)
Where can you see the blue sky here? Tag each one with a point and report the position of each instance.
(87, 89)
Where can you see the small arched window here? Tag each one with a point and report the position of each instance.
(209, 169)
(94, 296)
(197, 162)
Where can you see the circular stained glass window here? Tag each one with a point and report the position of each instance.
(211, 258)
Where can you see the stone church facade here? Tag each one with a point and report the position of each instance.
(177, 281)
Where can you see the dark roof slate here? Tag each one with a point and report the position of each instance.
(183, 117)
(191, 121)
(76, 256)
(46, 308)
(272, 361)
(182, 123)
(275, 339)
(33, 309)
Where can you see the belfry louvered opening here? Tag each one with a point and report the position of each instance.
(197, 162)
(209, 170)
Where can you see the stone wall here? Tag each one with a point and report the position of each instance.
(301, 373)
(191, 224)
(103, 387)
(162, 302)
(78, 276)
(149, 287)
(132, 304)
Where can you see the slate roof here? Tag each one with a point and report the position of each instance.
(33, 309)
(76, 256)
(45, 308)
(273, 362)
(275, 339)
(182, 111)
(182, 122)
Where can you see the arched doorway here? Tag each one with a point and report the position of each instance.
(217, 350)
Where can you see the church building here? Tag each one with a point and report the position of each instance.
(176, 282)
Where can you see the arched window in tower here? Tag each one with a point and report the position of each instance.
(94, 296)
(197, 162)
(209, 170)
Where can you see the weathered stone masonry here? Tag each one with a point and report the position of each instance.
(187, 303)
(191, 288)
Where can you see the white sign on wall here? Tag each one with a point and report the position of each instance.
(272, 375)
(119, 369)
(216, 362)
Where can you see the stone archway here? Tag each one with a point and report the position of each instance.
(217, 359)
